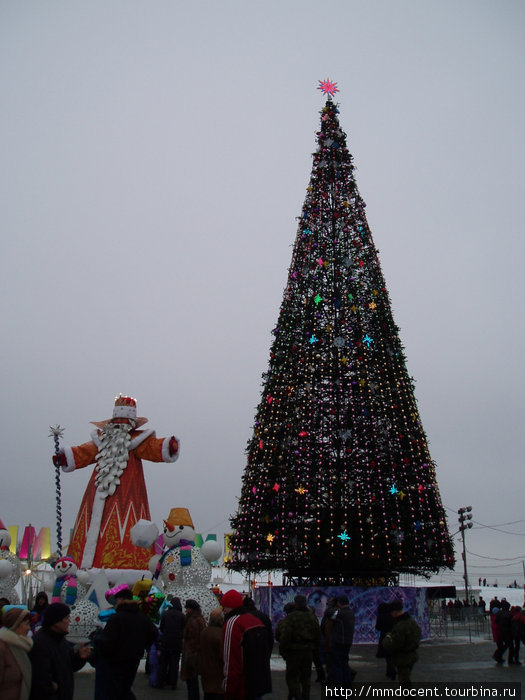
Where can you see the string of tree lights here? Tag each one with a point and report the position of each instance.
(339, 484)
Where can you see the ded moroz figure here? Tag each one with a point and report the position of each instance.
(115, 497)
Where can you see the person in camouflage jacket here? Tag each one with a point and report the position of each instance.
(299, 637)
(402, 642)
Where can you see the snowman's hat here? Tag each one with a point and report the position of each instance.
(67, 558)
(178, 516)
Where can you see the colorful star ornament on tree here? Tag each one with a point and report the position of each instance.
(327, 87)
(337, 428)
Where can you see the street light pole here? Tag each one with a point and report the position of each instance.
(465, 518)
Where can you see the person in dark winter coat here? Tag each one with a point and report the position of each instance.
(341, 639)
(326, 634)
(170, 644)
(494, 603)
(299, 638)
(250, 607)
(502, 620)
(120, 647)
(193, 628)
(53, 659)
(384, 623)
(318, 655)
(516, 627)
(210, 663)
(245, 651)
(402, 642)
(37, 612)
(287, 609)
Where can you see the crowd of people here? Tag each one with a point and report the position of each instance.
(229, 655)
(304, 643)
(483, 582)
(507, 624)
(508, 630)
(459, 609)
(226, 657)
(36, 661)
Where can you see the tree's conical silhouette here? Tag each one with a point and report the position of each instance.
(339, 484)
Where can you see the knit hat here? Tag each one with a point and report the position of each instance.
(55, 613)
(14, 617)
(175, 602)
(231, 599)
(62, 564)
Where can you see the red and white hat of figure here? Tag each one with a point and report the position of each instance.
(125, 407)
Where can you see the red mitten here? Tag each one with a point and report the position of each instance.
(174, 445)
(60, 460)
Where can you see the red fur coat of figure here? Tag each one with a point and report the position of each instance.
(101, 534)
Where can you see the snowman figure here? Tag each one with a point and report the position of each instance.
(69, 590)
(10, 569)
(184, 569)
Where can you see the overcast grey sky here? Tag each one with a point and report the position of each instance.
(154, 158)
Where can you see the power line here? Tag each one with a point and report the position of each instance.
(498, 525)
(483, 556)
(497, 566)
(514, 522)
(492, 527)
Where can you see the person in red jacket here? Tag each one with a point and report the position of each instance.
(245, 651)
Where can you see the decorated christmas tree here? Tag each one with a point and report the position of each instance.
(339, 485)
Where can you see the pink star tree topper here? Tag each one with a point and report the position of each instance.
(327, 87)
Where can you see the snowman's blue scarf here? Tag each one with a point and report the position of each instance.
(185, 555)
(185, 552)
(71, 589)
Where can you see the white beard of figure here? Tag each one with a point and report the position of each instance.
(112, 457)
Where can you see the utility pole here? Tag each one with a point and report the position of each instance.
(465, 518)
